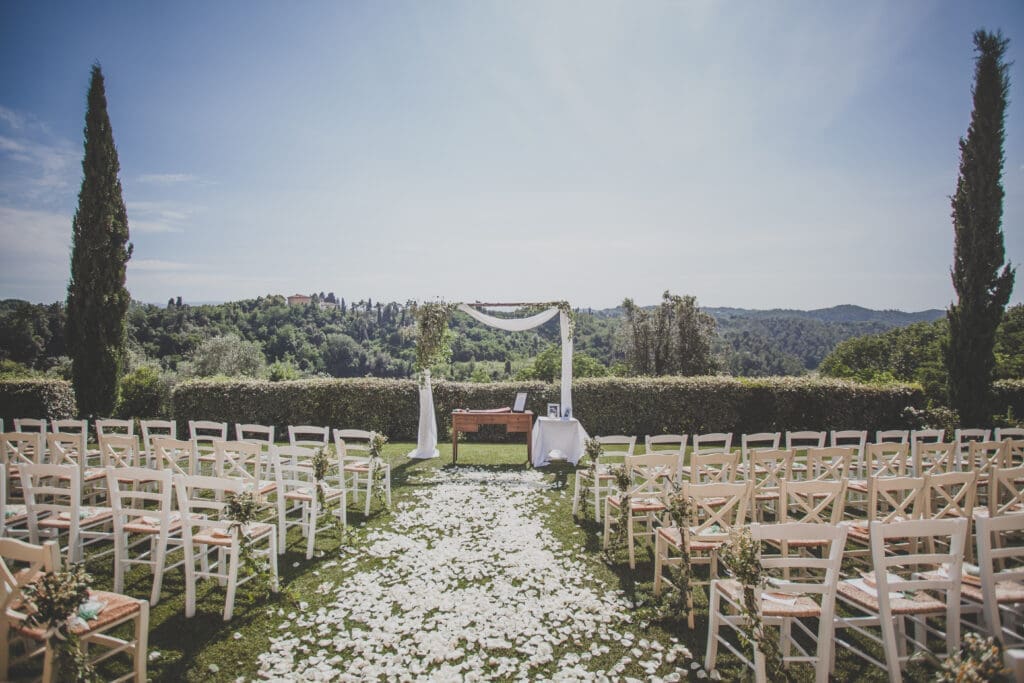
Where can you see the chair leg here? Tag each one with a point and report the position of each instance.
(311, 539)
(607, 525)
(711, 655)
(159, 557)
(889, 645)
(272, 556)
(141, 642)
(190, 578)
(659, 545)
(629, 539)
(229, 602)
(369, 492)
(120, 555)
(597, 501)
(282, 523)
(576, 496)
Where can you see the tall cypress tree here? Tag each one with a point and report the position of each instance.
(982, 288)
(97, 297)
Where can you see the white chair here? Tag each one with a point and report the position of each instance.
(950, 494)
(851, 438)
(141, 502)
(17, 448)
(767, 469)
(671, 442)
(906, 587)
(13, 516)
(786, 603)
(919, 437)
(1006, 492)
(201, 502)
(296, 493)
(648, 496)
(933, 458)
(890, 500)
(66, 449)
(805, 439)
(309, 436)
(962, 439)
(715, 442)
(892, 436)
(152, 429)
(768, 441)
(717, 509)
(982, 457)
(1004, 433)
(96, 635)
(1001, 590)
(114, 427)
(118, 450)
(79, 428)
(176, 455)
(605, 481)
(258, 434)
(714, 467)
(357, 472)
(833, 463)
(30, 425)
(53, 500)
(246, 462)
(882, 460)
(203, 434)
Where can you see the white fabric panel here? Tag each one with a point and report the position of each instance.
(566, 366)
(426, 439)
(562, 438)
(510, 324)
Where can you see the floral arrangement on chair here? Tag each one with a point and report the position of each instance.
(741, 556)
(979, 659)
(623, 482)
(680, 512)
(377, 443)
(241, 510)
(321, 467)
(54, 602)
(592, 451)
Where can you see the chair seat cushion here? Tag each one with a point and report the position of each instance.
(638, 505)
(673, 536)
(306, 494)
(117, 608)
(222, 537)
(918, 603)
(87, 516)
(151, 525)
(803, 607)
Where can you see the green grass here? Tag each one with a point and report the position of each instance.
(188, 647)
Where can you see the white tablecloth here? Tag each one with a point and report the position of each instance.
(557, 439)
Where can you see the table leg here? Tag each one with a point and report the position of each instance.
(529, 448)
(455, 445)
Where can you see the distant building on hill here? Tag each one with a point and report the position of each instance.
(299, 300)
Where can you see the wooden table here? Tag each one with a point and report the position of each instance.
(470, 421)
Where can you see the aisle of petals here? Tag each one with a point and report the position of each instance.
(470, 586)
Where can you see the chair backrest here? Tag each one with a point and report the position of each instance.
(851, 438)
(919, 436)
(629, 442)
(352, 443)
(22, 563)
(253, 433)
(1014, 452)
(292, 474)
(154, 428)
(239, 460)
(817, 575)
(892, 436)
(201, 502)
(887, 459)
(140, 494)
(893, 499)
(53, 489)
(1000, 558)
(112, 426)
(934, 458)
(760, 441)
(651, 473)
(962, 439)
(70, 427)
(1006, 491)
(767, 468)
(21, 447)
(295, 454)
(204, 432)
(813, 501)
(804, 440)
(174, 455)
(309, 435)
(706, 468)
(120, 450)
(949, 494)
(29, 424)
(1003, 433)
(66, 449)
(714, 442)
(671, 442)
(834, 462)
(910, 567)
(717, 509)
(982, 456)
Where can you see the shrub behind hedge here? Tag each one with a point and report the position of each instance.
(1009, 393)
(39, 398)
(604, 405)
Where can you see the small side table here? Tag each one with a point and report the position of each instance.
(566, 437)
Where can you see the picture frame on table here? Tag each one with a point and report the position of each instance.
(554, 410)
(520, 405)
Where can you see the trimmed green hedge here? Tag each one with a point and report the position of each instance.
(38, 398)
(604, 405)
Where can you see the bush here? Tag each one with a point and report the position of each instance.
(143, 394)
(1009, 396)
(39, 398)
(604, 405)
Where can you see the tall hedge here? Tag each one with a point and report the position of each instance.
(39, 398)
(604, 405)
(1009, 393)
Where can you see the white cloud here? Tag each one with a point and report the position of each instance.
(35, 259)
(154, 217)
(159, 265)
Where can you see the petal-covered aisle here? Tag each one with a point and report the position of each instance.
(469, 585)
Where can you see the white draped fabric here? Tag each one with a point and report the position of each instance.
(426, 442)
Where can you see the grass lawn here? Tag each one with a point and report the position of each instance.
(205, 648)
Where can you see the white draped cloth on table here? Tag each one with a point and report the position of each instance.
(426, 442)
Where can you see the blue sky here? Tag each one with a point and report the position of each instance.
(760, 155)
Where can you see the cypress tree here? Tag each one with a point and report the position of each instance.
(983, 290)
(97, 297)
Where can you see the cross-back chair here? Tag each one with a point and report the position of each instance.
(767, 468)
(297, 493)
(53, 501)
(651, 477)
(604, 483)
